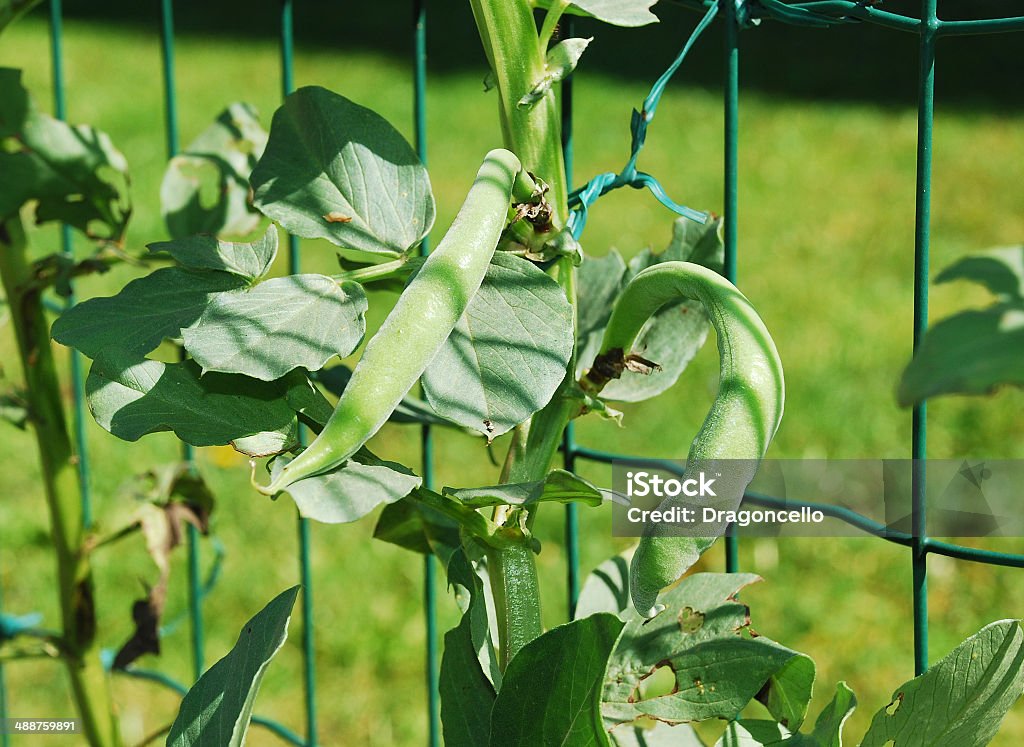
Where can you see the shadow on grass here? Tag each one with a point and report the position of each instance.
(855, 62)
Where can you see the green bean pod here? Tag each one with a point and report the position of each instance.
(742, 420)
(417, 327)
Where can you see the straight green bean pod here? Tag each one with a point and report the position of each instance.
(740, 424)
(417, 326)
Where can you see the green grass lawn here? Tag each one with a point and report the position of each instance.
(826, 255)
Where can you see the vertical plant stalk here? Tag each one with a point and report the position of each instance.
(513, 49)
(89, 681)
(516, 53)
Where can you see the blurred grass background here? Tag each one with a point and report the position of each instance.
(826, 254)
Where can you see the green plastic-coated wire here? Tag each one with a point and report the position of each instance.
(922, 236)
(171, 135)
(731, 192)
(433, 659)
(572, 530)
(67, 249)
(302, 525)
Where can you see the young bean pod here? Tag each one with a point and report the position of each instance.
(417, 327)
(742, 420)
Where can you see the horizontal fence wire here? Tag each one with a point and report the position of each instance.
(826, 13)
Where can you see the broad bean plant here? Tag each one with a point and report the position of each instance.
(510, 328)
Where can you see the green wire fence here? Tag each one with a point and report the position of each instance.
(732, 16)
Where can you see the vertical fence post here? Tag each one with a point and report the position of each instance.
(419, 31)
(171, 132)
(572, 539)
(731, 196)
(302, 525)
(77, 378)
(922, 226)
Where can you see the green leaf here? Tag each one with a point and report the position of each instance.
(704, 637)
(508, 353)
(788, 691)
(551, 690)
(349, 492)
(14, 102)
(250, 260)
(278, 325)
(219, 706)
(974, 351)
(753, 733)
(145, 312)
(335, 170)
(999, 270)
(10, 10)
(598, 281)
(131, 398)
(410, 524)
(660, 735)
(74, 173)
(828, 729)
(14, 409)
(961, 700)
(469, 665)
(206, 187)
(306, 400)
(560, 62)
(614, 12)
(606, 589)
(559, 485)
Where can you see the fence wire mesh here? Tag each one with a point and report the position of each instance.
(731, 16)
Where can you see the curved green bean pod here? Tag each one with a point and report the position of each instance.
(417, 326)
(742, 420)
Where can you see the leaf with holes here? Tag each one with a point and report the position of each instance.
(961, 700)
(278, 325)
(507, 354)
(218, 708)
(335, 170)
(719, 666)
(556, 679)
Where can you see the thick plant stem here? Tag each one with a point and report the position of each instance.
(509, 36)
(516, 55)
(89, 682)
(513, 574)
